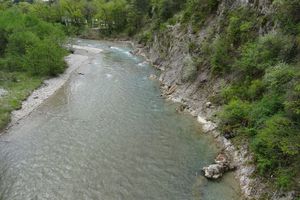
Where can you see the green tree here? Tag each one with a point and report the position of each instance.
(45, 58)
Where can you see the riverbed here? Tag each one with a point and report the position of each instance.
(108, 134)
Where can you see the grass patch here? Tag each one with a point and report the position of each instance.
(19, 86)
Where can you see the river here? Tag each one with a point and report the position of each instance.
(108, 134)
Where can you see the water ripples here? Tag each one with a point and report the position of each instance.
(106, 135)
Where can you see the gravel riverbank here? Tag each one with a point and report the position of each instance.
(50, 86)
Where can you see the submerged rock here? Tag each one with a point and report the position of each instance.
(152, 77)
(181, 108)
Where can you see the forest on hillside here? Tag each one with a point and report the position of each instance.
(261, 105)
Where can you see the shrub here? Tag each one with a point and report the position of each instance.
(263, 109)
(276, 143)
(220, 58)
(189, 70)
(234, 115)
(284, 178)
(292, 102)
(145, 37)
(243, 25)
(267, 51)
(45, 58)
(192, 47)
(241, 28)
(256, 89)
(278, 77)
(196, 11)
(167, 9)
(43, 29)
(29, 40)
(288, 15)
(16, 48)
(3, 40)
(235, 91)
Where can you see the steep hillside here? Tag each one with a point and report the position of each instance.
(238, 67)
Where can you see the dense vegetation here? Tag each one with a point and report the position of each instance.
(30, 50)
(260, 105)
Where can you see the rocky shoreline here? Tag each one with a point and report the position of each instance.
(239, 159)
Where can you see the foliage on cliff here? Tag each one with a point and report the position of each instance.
(262, 103)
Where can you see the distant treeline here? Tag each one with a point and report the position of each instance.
(109, 16)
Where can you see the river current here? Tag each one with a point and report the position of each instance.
(108, 134)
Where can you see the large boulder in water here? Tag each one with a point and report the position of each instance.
(221, 165)
(214, 171)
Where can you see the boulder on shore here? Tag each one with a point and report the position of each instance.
(222, 164)
(171, 90)
(214, 171)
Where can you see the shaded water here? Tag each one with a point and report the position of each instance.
(109, 135)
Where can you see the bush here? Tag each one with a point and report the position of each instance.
(45, 58)
(267, 51)
(278, 77)
(220, 59)
(3, 41)
(292, 102)
(189, 70)
(243, 25)
(288, 15)
(276, 144)
(197, 11)
(234, 115)
(46, 30)
(235, 91)
(16, 48)
(284, 178)
(241, 28)
(255, 89)
(263, 109)
(167, 9)
(145, 37)
(30, 44)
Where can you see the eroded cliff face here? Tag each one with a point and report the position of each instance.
(170, 51)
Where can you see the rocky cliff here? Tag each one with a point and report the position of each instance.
(186, 77)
